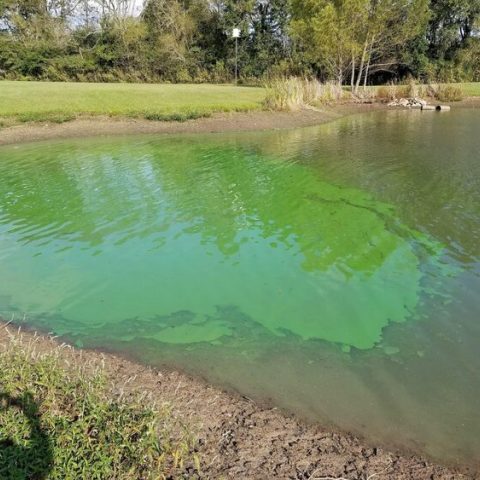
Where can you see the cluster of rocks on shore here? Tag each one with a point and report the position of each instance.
(408, 103)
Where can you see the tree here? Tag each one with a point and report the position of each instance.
(326, 33)
(359, 36)
(390, 24)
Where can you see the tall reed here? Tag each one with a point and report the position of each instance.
(295, 93)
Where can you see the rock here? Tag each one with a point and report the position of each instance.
(408, 103)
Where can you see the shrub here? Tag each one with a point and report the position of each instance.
(59, 422)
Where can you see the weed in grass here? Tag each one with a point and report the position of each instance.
(175, 117)
(60, 422)
(52, 117)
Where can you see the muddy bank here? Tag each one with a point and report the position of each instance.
(222, 122)
(240, 439)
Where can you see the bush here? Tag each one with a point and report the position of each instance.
(60, 423)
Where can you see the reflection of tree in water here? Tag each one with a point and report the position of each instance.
(244, 206)
(242, 194)
(222, 186)
(435, 184)
(79, 194)
(226, 193)
(25, 452)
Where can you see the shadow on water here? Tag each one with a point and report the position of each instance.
(30, 456)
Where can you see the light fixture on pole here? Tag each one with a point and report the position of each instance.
(236, 35)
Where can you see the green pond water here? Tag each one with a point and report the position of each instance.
(333, 271)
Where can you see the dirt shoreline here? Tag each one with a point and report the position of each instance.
(220, 122)
(239, 439)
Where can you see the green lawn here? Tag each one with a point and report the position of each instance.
(470, 89)
(64, 101)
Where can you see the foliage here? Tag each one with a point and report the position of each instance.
(350, 41)
(59, 423)
(355, 37)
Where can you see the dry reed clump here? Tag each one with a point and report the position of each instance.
(413, 89)
(392, 92)
(445, 93)
(296, 93)
(386, 93)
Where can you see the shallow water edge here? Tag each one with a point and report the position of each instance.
(238, 438)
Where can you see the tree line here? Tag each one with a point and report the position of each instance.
(356, 42)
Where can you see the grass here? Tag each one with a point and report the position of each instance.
(470, 89)
(60, 421)
(59, 102)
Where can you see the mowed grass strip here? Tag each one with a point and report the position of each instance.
(471, 89)
(59, 102)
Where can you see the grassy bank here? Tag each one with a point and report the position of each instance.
(59, 419)
(22, 102)
(471, 89)
(60, 102)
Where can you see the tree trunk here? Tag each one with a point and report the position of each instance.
(368, 64)
(362, 64)
(352, 79)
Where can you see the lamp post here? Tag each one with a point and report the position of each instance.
(236, 35)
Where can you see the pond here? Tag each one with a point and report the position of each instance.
(333, 271)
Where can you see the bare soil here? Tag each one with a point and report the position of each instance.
(242, 440)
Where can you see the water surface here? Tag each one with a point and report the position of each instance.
(333, 270)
